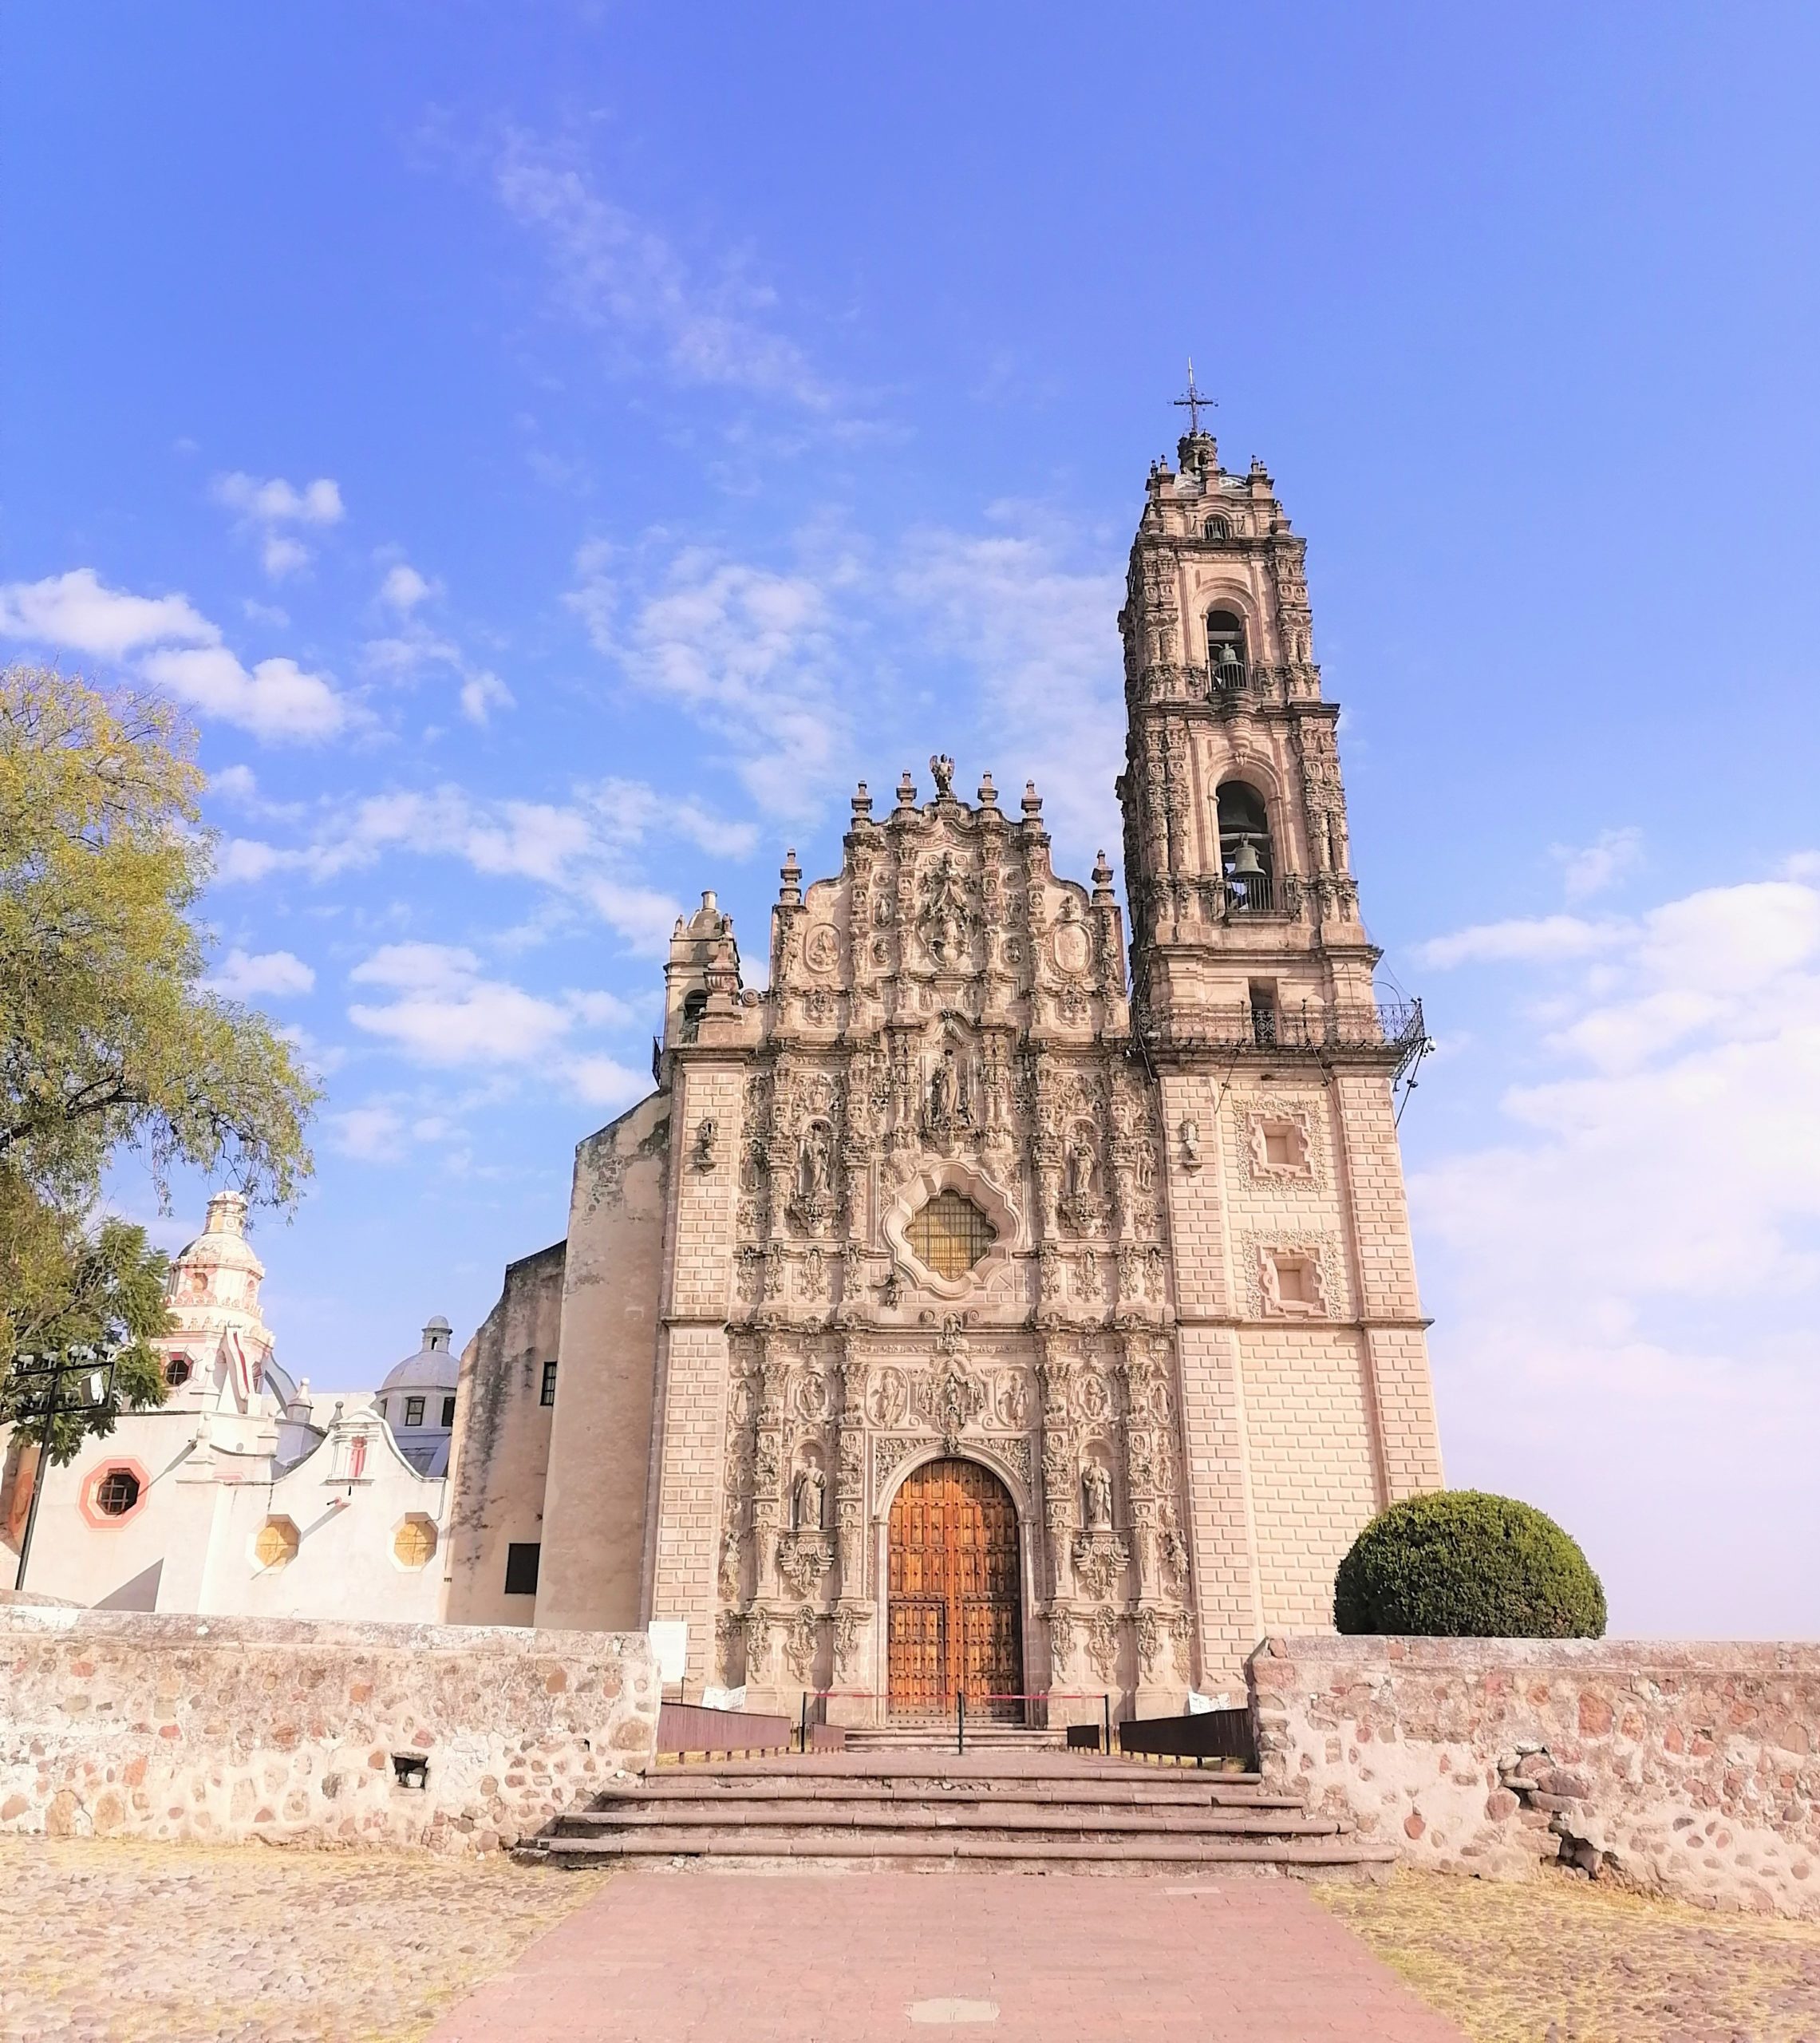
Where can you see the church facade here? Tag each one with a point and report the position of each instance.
(993, 1305)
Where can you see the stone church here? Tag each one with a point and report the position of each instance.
(986, 1305)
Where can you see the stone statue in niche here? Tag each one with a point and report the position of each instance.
(815, 1161)
(1079, 1176)
(811, 1492)
(945, 914)
(707, 1134)
(950, 1098)
(1097, 1492)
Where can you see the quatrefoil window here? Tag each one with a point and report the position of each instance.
(949, 1234)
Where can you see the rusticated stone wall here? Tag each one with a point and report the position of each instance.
(1691, 1769)
(226, 1729)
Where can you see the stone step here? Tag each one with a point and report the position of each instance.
(1208, 1792)
(982, 1737)
(1296, 1853)
(947, 1766)
(1058, 1820)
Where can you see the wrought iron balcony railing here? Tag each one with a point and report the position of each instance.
(1389, 1031)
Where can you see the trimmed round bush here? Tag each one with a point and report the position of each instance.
(1462, 1564)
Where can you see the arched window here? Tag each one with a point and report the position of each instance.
(1225, 649)
(1245, 850)
(1216, 528)
(694, 1007)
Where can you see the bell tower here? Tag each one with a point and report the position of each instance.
(1245, 913)
(1302, 1341)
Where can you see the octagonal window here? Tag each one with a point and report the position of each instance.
(949, 1234)
(116, 1493)
(413, 1544)
(276, 1544)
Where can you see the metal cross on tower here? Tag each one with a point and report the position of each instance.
(1195, 401)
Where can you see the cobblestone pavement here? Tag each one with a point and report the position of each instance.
(1601, 1966)
(168, 1943)
(704, 1957)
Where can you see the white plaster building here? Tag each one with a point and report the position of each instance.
(243, 1494)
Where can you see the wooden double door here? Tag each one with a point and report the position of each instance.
(956, 1621)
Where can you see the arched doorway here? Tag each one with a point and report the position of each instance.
(956, 1626)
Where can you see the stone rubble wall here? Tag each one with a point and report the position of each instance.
(221, 1730)
(1692, 1769)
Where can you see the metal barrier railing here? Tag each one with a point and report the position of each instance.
(1045, 1696)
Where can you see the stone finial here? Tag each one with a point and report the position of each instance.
(862, 804)
(1102, 882)
(907, 790)
(988, 794)
(790, 893)
(1033, 803)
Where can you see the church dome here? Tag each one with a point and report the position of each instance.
(417, 1401)
(435, 1366)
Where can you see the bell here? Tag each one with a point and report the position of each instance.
(1246, 864)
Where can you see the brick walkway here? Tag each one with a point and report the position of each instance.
(659, 1957)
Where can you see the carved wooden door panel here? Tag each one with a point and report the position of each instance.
(955, 1626)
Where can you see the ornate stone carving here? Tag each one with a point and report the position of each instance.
(887, 1397)
(945, 919)
(850, 1623)
(800, 1638)
(1278, 1141)
(1061, 1635)
(1103, 1641)
(888, 1450)
(1100, 1560)
(1313, 1258)
(809, 1501)
(803, 1558)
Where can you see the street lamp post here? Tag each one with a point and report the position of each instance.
(45, 1390)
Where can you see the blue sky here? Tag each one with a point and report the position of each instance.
(554, 451)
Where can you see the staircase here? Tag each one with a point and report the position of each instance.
(938, 1736)
(1024, 1811)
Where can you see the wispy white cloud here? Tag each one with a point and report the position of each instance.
(614, 273)
(414, 648)
(78, 613)
(1028, 611)
(581, 850)
(749, 653)
(1531, 940)
(482, 693)
(1635, 1257)
(404, 588)
(267, 975)
(276, 699)
(268, 507)
(277, 502)
(1589, 869)
(444, 1011)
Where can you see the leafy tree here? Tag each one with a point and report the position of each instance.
(1464, 1564)
(109, 1040)
(74, 1297)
